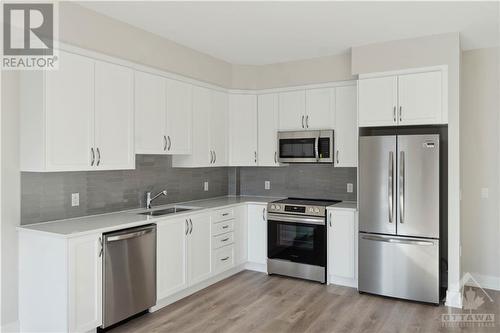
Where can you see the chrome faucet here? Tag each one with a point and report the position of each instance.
(149, 200)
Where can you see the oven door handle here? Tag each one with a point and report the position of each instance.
(296, 219)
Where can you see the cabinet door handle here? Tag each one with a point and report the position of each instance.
(225, 214)
(225, 226)
(93, 156)
(275, 157)
(302, 121)
(164, 143)
(98, 157)
(169, 142)
(211, 157)
(225, 239)
(394, 113)
(255, 156)
(330, 220)
(191, 222)
(187, 226)
(101, 247)
(307, 121)
(264, 214)
(400, 113)
(215, 156)
(337, 156)
(224, 259)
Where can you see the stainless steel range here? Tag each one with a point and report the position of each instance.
(296, 238)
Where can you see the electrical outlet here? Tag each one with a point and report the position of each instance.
(267, 185)
(75, 199)
(485, 193)
(205, 186)
(350, 188)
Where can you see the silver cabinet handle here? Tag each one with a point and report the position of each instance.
(169, 142)
(225, 214)
(302, 121)
(215, 156)
(98, 157)
(330, 221)
(164, 143)
(211, 157)
(191, 222)
(264, 214)
(390, 185)
(224, 259)
(337, 156)
(255, 156)
(101, 247)
(307, 121)
(225, 226)
(394, 113)
(400, 113)
(402, 187)
(93, 157)
(187, 226)
(225, 239)
(275, 157)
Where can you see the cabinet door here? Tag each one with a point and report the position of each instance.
(257, 234)
(149, 114)
(171, 247)
(85, 283)
(268, 122)
(346, 129)
(69, 108)
(240, 235)
(243, 129)
(378, 101)
(420, 99)
(341, 245)
(179, 117)
(218, 128)
(292, 106)
(320, 108)
(114, 117)
(199, 248)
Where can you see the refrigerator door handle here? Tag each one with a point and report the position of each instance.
(397, 240)
(402, 187)
(391, 187)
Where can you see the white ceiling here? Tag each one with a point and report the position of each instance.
(258, 33)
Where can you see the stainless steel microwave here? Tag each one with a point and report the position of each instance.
(305, 146)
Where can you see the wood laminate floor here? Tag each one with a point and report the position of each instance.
(255, 302)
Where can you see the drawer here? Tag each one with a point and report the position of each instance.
(222, 227)
(222, 215)
(223, 258)
(223, 240)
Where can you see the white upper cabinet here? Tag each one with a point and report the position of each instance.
(420, 99)
(179, 117)
(378, 100)
(267, 128)
(150, 115)
(72, 115)
(404, 99)
(320, 108)
(114, 117)
(219, 128)
(346, 129)
(292, 110)
(243, 130)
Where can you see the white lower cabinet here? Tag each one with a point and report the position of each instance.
(342, 247)
(240, 234)
(257, 234)
(199, 248)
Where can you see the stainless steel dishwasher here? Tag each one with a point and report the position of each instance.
(129, 278)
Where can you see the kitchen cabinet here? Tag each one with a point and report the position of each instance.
(171, 247)
(77, 118)
(292, 110)
(267, 129)
(342, 246)
(240, 234)
(257, 234)
(346, 129)
(320, 108)
(219, 128)
(406, 99)
(179, 114)
(243, 130)
(199, 248)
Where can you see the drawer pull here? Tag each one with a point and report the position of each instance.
(224, 259)
(225, 226)
(225, 239)
(225, 214)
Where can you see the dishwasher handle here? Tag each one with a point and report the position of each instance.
(134, 234)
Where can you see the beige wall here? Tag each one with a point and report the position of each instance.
(479, 156)
(87, 29)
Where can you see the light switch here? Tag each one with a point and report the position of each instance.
(267, 185)
(75, 199)
(485, 193)
(350, 187)
(205, 186)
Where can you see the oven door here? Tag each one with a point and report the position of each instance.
(305, 146)
(302, 242)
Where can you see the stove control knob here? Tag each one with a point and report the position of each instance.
(273, 206)
(277, 207)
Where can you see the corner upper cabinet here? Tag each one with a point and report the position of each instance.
(346, 129)
(267, 128)
(69, 121)
(243, 129)
(378, 100)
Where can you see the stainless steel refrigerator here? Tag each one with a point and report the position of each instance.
(399, 216)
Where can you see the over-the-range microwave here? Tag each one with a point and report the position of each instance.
(305, 146)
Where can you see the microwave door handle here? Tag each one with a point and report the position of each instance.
(316, 144)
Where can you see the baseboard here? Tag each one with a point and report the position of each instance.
(12, 327)
(352, 283)
(484, 281)
(253, 266)
(453, 299)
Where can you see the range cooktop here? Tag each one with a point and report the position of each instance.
(300, 206)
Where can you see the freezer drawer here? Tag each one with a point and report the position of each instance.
(399, 267)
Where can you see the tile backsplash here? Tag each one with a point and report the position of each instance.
(47, 196)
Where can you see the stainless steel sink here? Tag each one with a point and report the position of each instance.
(165, 211)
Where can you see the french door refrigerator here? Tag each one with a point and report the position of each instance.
(399, 216)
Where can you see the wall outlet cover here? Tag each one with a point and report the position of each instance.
(267, 185)
(75, 199)
(485, 193)
(350, 188)
(205, 186)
